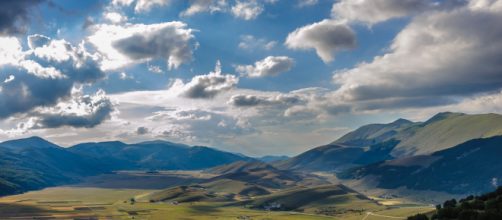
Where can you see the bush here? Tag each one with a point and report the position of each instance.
(418, 217)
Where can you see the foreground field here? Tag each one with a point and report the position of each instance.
(99, 199)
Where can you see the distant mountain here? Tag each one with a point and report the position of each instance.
(442, 131)
(401, 138)
(270, 158)
(34, 163)
(337, 158)
(471, 167)
(162, 155)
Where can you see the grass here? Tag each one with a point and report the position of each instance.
(113, 202)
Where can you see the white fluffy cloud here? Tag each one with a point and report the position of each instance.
(437, 57)
(141, 6)
(205, 86)
(199, 6)
(325, 37)
(375, 11)
(44, 75)
(270, 66)
(250, 42)
(79, 111)
(123, 45)
(247, 10)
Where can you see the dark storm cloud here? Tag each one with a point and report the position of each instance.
(142, 130)
(14, 14)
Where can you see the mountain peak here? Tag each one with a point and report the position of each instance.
(30, 142)
(401, 121)
(443, 115)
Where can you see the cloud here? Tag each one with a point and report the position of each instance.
(44, 74)
(250, 42)
(247, 10)
(14, 15)
(375, 11)
(115, 17)
(326, 37)
(146, 5)
(195, 125)
(81, 111)
(122, 45)
(199, 6)
(305, 3)
(270, 66)
(256, 100)
(205, 86)
(142, 131)
(141, 6)
(437, 59)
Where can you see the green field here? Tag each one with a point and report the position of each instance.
(87, 202)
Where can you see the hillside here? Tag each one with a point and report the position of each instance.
(337, 158)
(326, 198)
(470, 167)
(401, 138)
(440, 132)
(162, 155)
(263, 175)
(34, 163)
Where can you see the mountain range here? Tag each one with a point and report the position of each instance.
(450, 152)
(401, 138)
(34, 163)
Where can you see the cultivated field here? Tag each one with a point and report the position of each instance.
(89, 201)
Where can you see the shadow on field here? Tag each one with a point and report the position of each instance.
(137, 181)
(204, 209)
(21, 210)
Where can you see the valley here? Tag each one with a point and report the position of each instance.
(373, 172)
(93, 200)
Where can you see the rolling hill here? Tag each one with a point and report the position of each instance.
(261, 174)
(471, 167)
(317, 198)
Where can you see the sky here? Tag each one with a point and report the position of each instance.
(258, 77)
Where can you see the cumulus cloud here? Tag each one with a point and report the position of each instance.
(437, 59)
(270, 66)
(44, 74)
(200, 6)
(195, 125)
(250, 42)
(205, 86)
(14, 15)
(325, 37)
(375, 11)
(80, 111)
(122, 45)
(247, 10)
(115, 17)
(141, 6)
